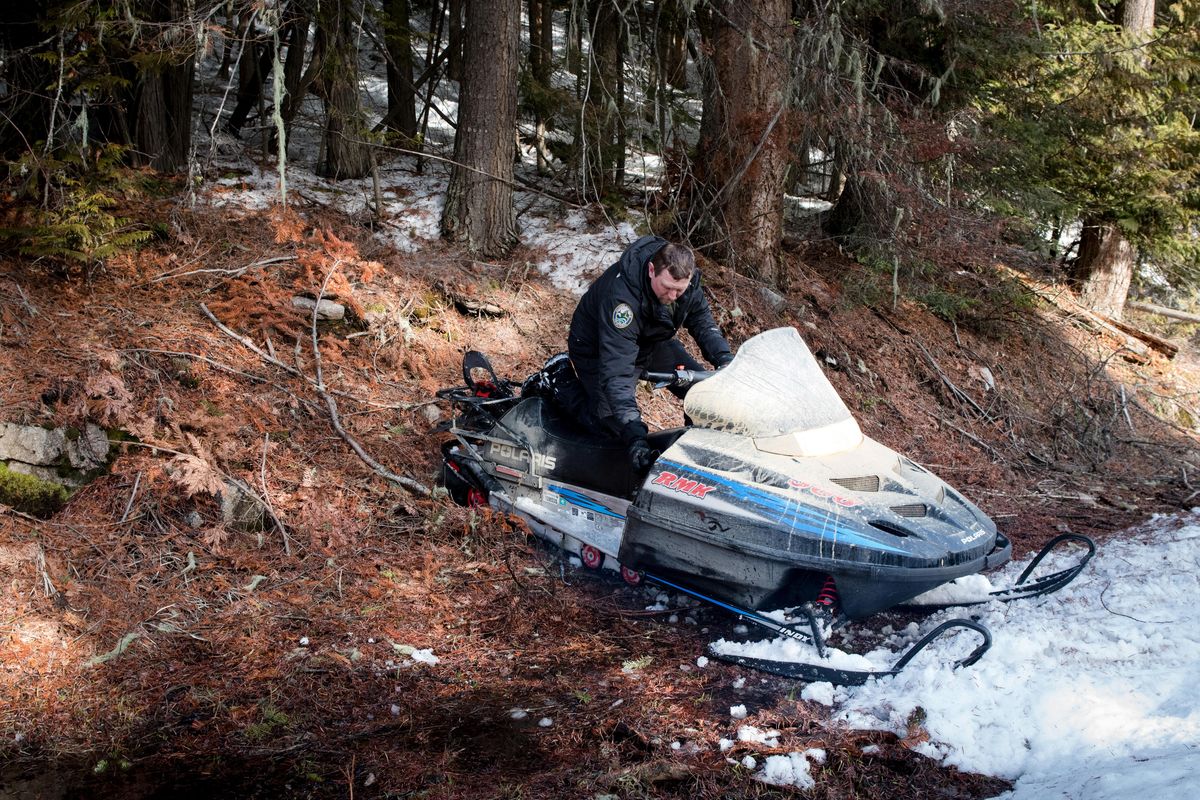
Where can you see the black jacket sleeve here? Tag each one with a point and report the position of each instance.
(703, 328)
(619, 324)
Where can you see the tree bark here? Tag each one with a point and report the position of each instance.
(1104, 268)
(25, 99)
(671, 42)
(479, 199)
(574, 38)
(743, 152)
(347, 153)
(402, 95)
(602, 139)
(541, 64)
(162, 105)
(454, 36)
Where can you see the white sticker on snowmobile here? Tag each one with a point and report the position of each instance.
(622, 316)
(521, 454)
(680, 484)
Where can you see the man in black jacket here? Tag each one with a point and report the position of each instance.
(626, 322)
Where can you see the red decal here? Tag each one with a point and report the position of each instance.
(665, 478)
(817, 491)
(684, 485)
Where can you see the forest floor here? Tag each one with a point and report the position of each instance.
(373, 642)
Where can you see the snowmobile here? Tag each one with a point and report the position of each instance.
(771, 498)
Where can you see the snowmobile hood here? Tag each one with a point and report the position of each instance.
(775, 393)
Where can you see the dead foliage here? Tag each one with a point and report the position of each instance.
(145, 643)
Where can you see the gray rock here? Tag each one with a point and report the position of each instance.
(326, 309)
(31, 444)
(48, 474)
(773, 298)
(432, 413)
(241, 509)
(90, 450)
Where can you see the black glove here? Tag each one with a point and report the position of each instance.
(640, 455)
(633, 429)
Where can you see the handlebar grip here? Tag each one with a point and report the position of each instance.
(680, 378)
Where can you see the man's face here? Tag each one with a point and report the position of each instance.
(666, 288)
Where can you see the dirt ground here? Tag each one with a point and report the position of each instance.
(148, 649)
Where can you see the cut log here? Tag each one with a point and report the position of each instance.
(1156, 342)
(1163, 311)
(1064, 302)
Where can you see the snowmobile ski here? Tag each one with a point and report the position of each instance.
(1045, 584)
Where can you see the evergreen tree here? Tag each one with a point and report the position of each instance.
(743, 152)
(479, 203)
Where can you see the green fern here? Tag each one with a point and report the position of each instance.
(74, 222)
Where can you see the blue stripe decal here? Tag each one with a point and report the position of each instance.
(798, 516)
(584, 501)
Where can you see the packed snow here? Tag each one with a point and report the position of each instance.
(1087, 694)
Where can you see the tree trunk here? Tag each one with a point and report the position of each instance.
(258, 53)
(25, 96)
(743, 153)
(402, 95)
(297, 44)
(602, 139)
(574, 38)
(454, 58)
(479, 199)
(347, 153)
(1138, 18)
(541, 64)
(1104, 268)
(671, 42)
(162, 105)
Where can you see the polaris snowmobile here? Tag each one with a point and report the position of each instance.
(772, 498)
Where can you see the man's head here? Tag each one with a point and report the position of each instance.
(670, 272)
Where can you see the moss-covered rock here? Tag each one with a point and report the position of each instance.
(30, 494)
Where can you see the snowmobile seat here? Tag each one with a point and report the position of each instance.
(580, 457)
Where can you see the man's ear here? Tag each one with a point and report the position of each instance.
(650, 265)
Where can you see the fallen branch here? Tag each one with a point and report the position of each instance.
(270, 359)
(1132, 350)
(334, 418)
(1163, 311)
(1156, 342)
(262, 476)
(235, 273)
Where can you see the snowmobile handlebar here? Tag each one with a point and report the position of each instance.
(680, 378)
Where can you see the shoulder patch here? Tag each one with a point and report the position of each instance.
(622, 316)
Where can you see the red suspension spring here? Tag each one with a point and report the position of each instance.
(828, 596)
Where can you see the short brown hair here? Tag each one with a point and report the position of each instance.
(677, 259)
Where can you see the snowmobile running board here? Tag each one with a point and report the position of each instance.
(816, 672)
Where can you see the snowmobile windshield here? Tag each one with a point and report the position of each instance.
(775, 392)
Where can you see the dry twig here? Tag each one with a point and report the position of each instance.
(334, 418)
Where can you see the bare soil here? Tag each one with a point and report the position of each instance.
(146, 649)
